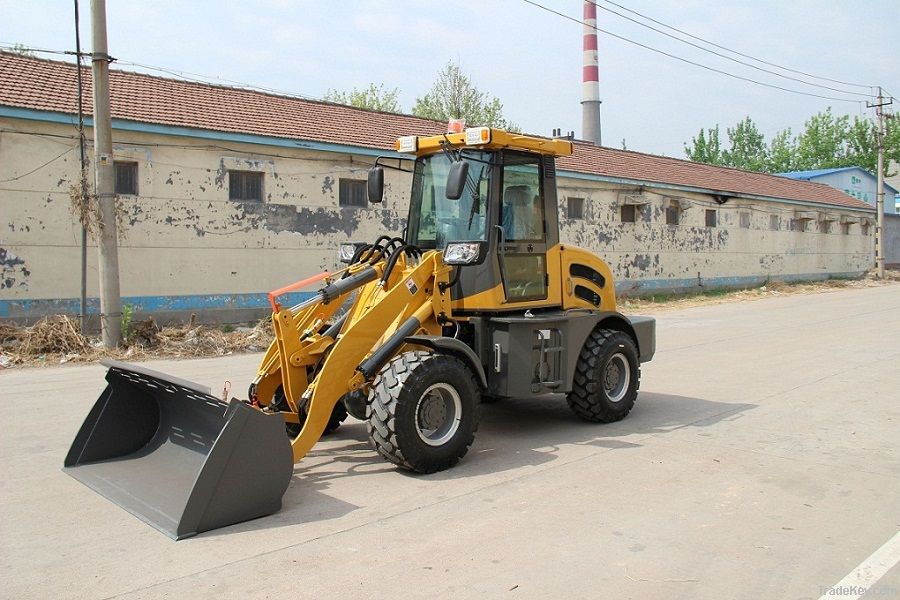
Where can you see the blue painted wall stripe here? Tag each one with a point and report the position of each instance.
(147, 304)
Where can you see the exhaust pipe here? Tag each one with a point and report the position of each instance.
(177, 457)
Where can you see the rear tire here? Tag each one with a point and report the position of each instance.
(423, 411)
(607, 377)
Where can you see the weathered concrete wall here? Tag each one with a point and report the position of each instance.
(892, 241)
(187, 248)
(650, 255)
(181, 236)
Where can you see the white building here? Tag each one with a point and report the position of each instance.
(227, 193)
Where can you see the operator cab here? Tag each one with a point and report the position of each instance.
(487, 199)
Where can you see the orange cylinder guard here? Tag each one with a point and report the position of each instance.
(294, 286)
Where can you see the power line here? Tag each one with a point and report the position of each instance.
(183, 75)
(719, 54)
(690, 62)
(759, 60)
(58, 156)
(13, 47)
(198, 78)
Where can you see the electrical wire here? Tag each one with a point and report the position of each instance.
(206, 147)
(753, 58)
(183, 75)
(36, 169)
(726, 57)
(688, 61)
(12, 47)
(208, 79)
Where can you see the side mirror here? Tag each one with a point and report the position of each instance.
(375, 185)
(456, 179)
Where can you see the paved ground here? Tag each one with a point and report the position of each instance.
(762, 461)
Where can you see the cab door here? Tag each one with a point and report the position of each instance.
(522, 228)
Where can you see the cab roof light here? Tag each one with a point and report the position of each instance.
(478, 135)
(408, 143)
(456, 125)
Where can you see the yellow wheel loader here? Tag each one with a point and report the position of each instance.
(478, 300)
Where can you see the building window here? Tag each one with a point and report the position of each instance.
(745, 220)
(798, 225)
(352, 192)
(672, 215)
(710, 217)
(245, 185)
(865, 228)
(774, 222)
(629, 213)
(825, 226)
(126, 178)
(575, 208)
(845, 228)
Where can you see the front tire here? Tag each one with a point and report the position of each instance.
(423, 411)
(607, 377)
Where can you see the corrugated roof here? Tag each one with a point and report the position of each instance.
(47, 85)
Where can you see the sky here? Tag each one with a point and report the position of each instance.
(527, 57)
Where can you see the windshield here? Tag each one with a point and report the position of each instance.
(435, 220)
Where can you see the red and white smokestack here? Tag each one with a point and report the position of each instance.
(590, 87)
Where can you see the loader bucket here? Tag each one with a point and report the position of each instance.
(178, 458)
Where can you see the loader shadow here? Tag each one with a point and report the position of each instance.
(512, 434)
(518, 433)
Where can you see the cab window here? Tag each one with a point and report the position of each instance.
(521, 211)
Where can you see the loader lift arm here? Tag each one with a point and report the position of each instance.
(409, 305)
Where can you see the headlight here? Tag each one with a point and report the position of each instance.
(462, 253)
(346, 251)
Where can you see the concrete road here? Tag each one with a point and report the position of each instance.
(761, 461)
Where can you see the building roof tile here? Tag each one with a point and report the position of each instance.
(47, 85)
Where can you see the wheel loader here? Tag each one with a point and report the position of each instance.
(477, 300)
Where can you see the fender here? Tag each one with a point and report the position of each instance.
(448, 345)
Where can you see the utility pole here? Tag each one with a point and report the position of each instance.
(105, 181)
(82, 313)
(879, 192)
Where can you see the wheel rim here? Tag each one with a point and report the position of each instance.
(438, 413)
(616, 377)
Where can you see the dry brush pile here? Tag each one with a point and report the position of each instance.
(58, 339)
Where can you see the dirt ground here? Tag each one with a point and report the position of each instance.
(57, 339)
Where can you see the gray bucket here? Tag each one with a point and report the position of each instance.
(178, 458)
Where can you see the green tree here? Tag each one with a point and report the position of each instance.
(374, 97)
(892, 143)
(748, 147)
(861, 149)
(705, 147)
(455, 96)
(822, 145)
(782, 153)
(827, 141)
